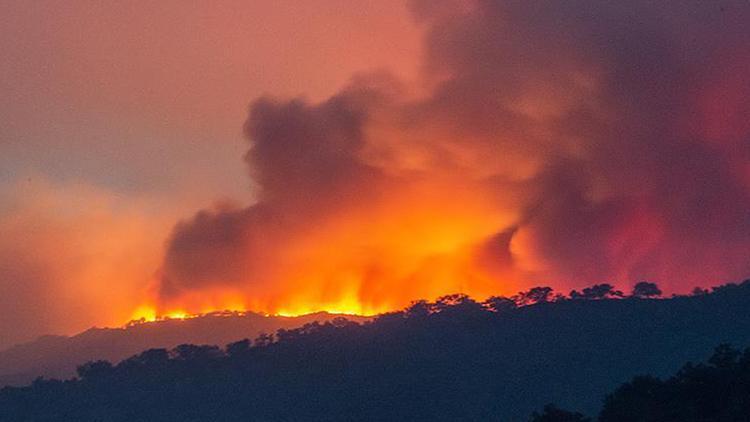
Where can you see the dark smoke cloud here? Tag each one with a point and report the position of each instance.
(612, 137)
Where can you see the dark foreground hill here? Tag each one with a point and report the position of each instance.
(450, 360)
(58, 356)
(715, 391)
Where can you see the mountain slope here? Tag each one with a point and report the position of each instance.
(452, 360)
(58, 356)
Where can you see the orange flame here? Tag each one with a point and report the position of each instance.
(418, 247)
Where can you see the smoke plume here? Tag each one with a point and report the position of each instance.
(563, 143)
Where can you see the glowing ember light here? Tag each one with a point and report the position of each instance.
(148, 313)
(176, 315)
(144, 313)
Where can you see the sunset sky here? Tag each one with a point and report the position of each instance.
(348, 155)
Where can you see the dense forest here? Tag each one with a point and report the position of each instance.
(58, 356)
(718, 390)
(503, 359)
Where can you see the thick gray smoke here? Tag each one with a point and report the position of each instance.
(566, 142)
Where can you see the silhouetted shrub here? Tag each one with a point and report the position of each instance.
(644, 289)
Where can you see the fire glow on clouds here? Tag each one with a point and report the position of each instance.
(556, 142)
(544, 142)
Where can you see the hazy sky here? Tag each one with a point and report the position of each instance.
(116, 118)
(293, 156)
(149, 97)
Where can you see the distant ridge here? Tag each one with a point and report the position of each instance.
(452, 359)
(58, 356)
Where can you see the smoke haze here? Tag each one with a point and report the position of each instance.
(546, 142)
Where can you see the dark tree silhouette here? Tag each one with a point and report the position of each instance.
(597, 292)
(457, 303)
(419, 309)
(450, 360)
(533, 296)
(716, 391)
(95, 369)
(238, 348)
(263, 339)
(152, 358)
(699, 291)
(500, 304)
(644, 290)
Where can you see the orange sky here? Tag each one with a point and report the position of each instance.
(351, 155)
(120, 118)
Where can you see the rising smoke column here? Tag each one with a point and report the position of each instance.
(549, 142)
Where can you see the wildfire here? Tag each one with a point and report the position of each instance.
(151, 313)
(419, 244)
(414, 248)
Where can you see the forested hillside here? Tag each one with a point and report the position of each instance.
(454, 359)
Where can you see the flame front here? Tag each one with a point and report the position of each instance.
(363, 263)
(526, 153)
